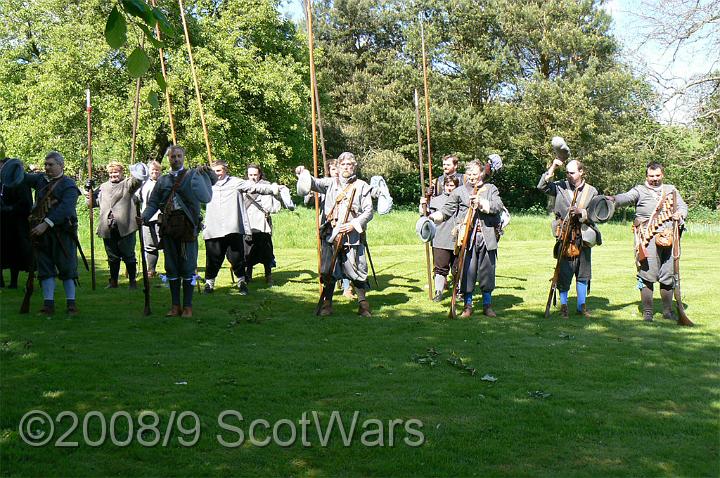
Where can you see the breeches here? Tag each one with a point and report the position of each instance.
(180, 258)
(351, 263)
(658, 266)
(579, 267)
(56, 255)
(215, 251)
(151, 237)
(444, 260)
(118, 248)
(258, 249)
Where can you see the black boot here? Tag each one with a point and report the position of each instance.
(132, 274)
(14, 278)
(646, 296)
(114, 274)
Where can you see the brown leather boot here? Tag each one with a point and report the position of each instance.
(175, 311)
(467, 312)
(326, 308)
(563, 311)
(584, 311)
(364, 309)
(72, 309)
(488, 312)
(112, 284)
(186, 312)
(47, 309)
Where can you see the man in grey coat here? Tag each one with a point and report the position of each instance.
(443, 244)
(479, 264)
(226, 222)
(116, 200)
(259, 207)
(576, 260)
(351, 262)
(178, 195)
(654, 216)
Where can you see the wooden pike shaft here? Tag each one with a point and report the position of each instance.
(89, 164)
(422, 188)
(195, 81)
(167, 89)
(427, 101)
(320, 129)
(313, 108)
(136, 113)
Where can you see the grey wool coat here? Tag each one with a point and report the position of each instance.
(459, 202)
(563, 193)
(187, 198)
(117, 199)
(362, 208)
(226, 212)
(443, 232)
(645, 199)
(259, 222)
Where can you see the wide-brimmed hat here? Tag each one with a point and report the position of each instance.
(425, 229)
(139, 171)
(600, 209)
(12, 173)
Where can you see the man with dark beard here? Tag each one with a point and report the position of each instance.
(653, 226)
(345, 196)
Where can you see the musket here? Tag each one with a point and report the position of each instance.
(90, 205)
(425, 192)
(468, 237)
(566, 229)
(328, 281)
(146, 280)
(683, 319)
(313, 106)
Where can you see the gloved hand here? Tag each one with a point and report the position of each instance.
(299, 170)
(90, 184)
(677, 216)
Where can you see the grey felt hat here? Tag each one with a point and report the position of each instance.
(425, 229)
(12, 173)
(600, 209)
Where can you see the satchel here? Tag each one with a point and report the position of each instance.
(177, 226)
(664, 238)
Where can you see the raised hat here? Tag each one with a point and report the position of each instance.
(600, 209)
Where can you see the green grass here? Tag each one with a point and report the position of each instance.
(625, 398)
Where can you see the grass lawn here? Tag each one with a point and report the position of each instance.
(610, 396)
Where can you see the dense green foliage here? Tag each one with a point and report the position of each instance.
(505, 76)
(251, 69)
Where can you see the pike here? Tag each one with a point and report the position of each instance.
(423, 191)
(426, 88)
(313, 108)
(91, 200)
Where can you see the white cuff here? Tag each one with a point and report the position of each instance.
(49, 222)
(356, 224)
(436, 217)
